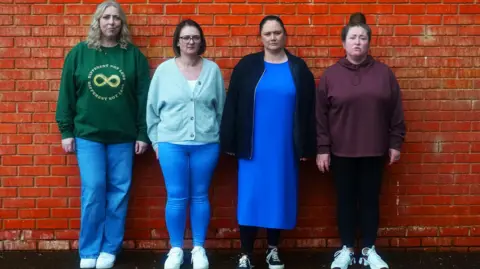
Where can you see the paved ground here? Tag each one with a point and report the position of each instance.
(225, 260)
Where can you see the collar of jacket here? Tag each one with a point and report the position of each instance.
(259, 64)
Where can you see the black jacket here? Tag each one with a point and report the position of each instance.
(236, 130)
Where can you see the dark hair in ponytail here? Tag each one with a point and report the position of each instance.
(357, 19)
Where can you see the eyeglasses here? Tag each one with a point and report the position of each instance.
(187, 38)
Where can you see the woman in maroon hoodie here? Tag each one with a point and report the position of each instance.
(360, 125)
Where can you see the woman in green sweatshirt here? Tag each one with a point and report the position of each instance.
(101, 116)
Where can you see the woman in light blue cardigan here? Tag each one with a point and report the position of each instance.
(184, 111)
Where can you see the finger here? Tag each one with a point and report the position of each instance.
(73, 146)
(137, 147)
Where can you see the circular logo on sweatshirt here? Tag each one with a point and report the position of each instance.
(106, 82)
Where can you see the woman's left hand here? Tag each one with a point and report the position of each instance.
(140, 147)
(394, 156)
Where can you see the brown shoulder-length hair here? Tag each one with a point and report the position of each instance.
(94, 32)
(176, 36)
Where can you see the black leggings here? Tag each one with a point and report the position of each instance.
(248, 234)
(358, 182)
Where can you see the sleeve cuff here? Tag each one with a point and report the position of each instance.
(323, 150)
(67, 134)
(143, 137)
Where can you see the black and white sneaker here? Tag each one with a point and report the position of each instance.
(244, 263)
(273, 259)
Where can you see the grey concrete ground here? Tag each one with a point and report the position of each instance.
(227, 260)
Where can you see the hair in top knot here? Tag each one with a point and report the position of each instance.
(357, 18)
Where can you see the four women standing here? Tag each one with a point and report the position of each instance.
(270, 120)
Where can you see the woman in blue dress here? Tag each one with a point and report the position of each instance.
(269, 126)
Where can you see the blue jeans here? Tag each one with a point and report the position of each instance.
(187, 170)
(106, 175)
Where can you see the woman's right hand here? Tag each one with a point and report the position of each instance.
(68, 145)
(323, 162)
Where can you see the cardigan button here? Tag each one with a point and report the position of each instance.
(191, 118)
(192, 135)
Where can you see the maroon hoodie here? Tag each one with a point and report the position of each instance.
(359, 110)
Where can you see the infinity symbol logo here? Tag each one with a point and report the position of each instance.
(100, 80)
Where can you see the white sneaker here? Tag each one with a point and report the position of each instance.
(343, 259)
(175, 258)
(370, 257)
(199, 258)
(87, 263)
(105, 260)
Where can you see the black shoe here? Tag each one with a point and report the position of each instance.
(244, 263)
(273, 259)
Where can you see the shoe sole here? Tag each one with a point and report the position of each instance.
(275, 266)
(175, 267)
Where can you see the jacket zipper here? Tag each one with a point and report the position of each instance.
(253, 115)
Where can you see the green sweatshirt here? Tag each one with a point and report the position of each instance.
(103, 94)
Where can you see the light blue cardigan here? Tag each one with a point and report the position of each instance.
(175, 113)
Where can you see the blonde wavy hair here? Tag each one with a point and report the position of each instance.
(95, 34)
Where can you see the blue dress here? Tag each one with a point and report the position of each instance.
(267, 184)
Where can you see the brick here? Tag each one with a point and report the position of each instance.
(180, 9)
(7, 63)
(33, 171)
(8, 192)
(65, 192)
(52, 223)
(19, 245)
(33, 192)
(48, 31)
(51, 181)
(17, 181)
(37, 235)
(148, 9)
(51, 202)
(17, 160)
(34, 213)
(230, 20)
(246, 9)
(31, 20)
(344, 9)
(33, 149)
(69, 20)
(79, 9)
(44, 117)
(8, 171)
(66, 213)
(18, 203)
(8, 128)
(67, 235)
(33, 107)
(47, 9)
(54, 245)
(14, 9)
(16, 139)
(469, 9)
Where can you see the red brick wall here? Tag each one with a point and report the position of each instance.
(431, 199)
